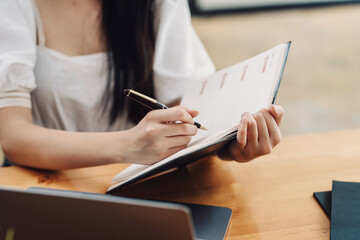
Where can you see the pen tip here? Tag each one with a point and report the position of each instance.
(203, 128)
(126, 91)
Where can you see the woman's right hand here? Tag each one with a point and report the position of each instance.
(160, 134)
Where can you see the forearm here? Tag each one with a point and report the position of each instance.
(150, 141)
(50, 149)
(29, 145)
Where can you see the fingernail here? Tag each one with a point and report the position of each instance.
(243, 120)
(277, 109)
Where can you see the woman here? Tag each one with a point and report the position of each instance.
(64, 64)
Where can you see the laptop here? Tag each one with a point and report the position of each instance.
(40, 213)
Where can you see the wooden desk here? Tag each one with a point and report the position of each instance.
(271, 197)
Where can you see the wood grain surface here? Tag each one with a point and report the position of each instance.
(271, 197)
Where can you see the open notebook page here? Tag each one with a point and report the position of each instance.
(224, 96)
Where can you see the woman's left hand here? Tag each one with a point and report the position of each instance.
(257, 135)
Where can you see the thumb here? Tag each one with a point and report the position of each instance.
(277, 112)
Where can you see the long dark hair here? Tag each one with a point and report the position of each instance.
(128, 27)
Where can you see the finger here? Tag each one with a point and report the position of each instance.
(177, 141)
(242, 133)
(263, 133)
(278, 112)
(273, 128)
(252, 132)
(180, 129)
(192, 112)
(171, 151)
(170, 115)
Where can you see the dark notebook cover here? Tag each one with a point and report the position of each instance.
(342, 206)
(345, 211)
(178, 162)
(324, 199)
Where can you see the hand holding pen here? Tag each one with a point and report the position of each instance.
(151, 103)
(154, 139)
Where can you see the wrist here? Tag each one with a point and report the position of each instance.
(119, 147)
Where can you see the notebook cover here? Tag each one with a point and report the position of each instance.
(345, 211)
(178, 162)
(324, 200)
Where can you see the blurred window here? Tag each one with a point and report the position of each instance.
(203, 6)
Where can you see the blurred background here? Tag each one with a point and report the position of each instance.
(320, 89)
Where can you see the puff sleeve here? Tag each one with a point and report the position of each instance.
(180, 56)
(17, 52)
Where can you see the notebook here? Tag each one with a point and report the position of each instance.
(342, 206)
(42, 213)
(221, 100)
(324, 200)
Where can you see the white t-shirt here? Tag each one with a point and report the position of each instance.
(66, 92)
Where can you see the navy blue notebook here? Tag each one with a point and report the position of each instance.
(345, 211)
(342, 206)
(324, 199)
